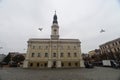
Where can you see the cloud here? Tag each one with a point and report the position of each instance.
(83, 19)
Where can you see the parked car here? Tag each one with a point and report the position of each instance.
(114, 64)
(12, 64)
(88, 65)
(98, 63)
(3, 63)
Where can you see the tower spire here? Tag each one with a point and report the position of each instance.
(55, 18)
(55, 28)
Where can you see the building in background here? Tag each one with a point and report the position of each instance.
(2, 56)
(53, 52)
(111, 49)
(85, 57)
(91, 53)
(95, 55)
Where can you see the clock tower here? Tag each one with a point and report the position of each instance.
(55, 28)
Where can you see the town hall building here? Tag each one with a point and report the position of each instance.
(53, 52)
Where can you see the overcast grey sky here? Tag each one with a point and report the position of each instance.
(79, 19)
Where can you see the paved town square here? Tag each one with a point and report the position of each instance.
(97, 73)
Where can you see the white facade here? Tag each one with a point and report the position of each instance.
(53, 52)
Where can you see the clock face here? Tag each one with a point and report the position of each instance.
(55, 30)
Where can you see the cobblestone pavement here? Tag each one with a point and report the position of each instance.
(97, 73)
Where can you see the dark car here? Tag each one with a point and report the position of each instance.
(88, 65)
(12, 64)
(3, 63)
(114, 64)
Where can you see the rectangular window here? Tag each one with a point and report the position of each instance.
(74, 47)
(61, 54)
(38, 54)
(54, 54)
(33, 54)
(75, 54)
(118, 48)
(113, 44)
(69, 55)
(33, 47)
(46, 54)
